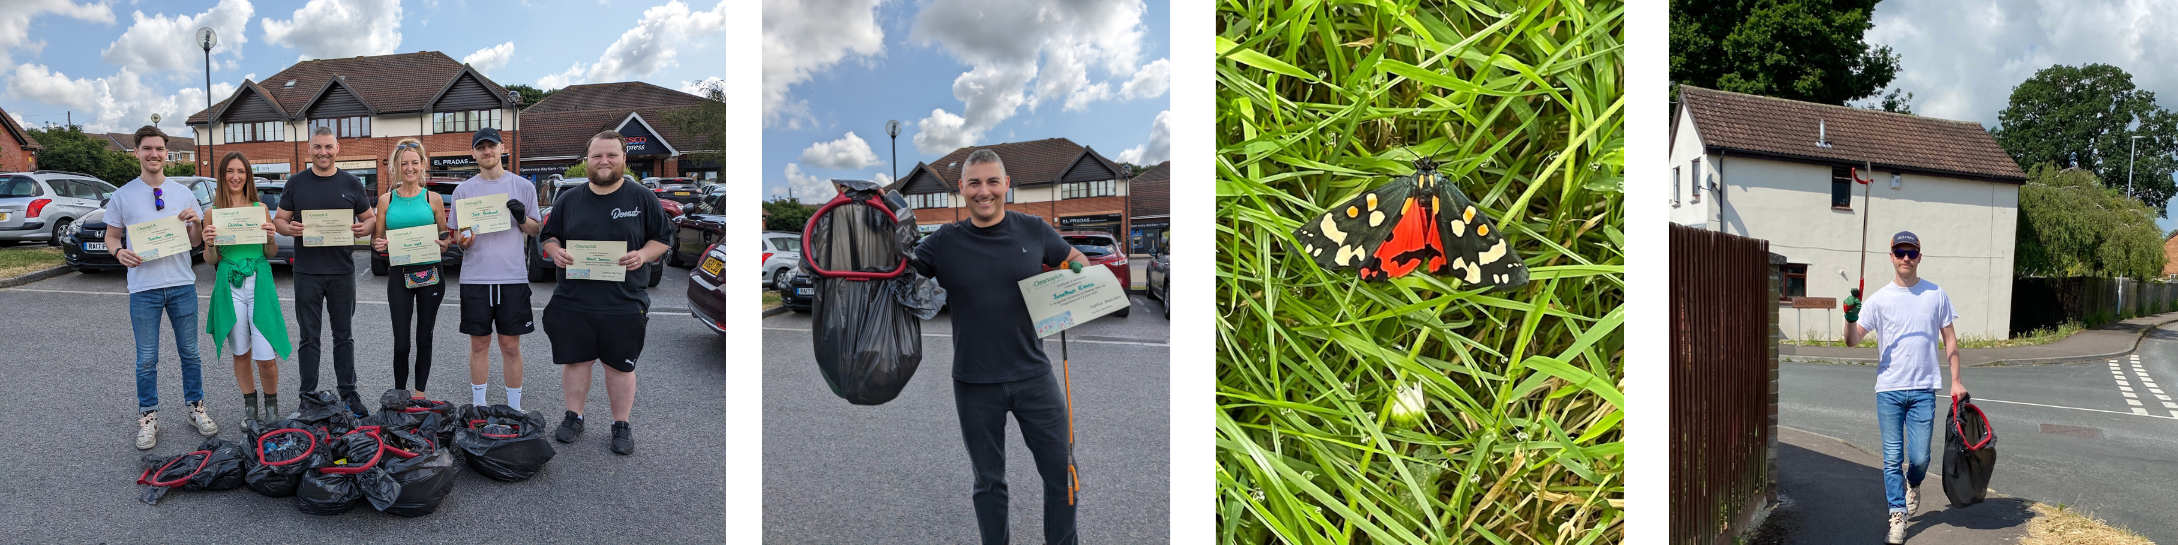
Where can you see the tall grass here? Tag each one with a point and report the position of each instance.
(1517, 437)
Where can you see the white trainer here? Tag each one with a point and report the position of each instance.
(147, 430)
(1913, 502)
(1897, 535)
(202, 421)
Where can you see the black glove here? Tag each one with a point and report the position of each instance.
(515, 206)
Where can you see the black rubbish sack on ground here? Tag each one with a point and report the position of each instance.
(276, 454)
(869, 304)
(404, 401)
(1969, 453)
(214, 465)
(502, 443)
(348, 471)
(422, 468)
(324, 409)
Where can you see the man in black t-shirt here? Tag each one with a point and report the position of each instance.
(998, 362)
(325, 275)
(592, 321)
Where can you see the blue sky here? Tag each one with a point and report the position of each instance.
(114, 63)
(1093, 71)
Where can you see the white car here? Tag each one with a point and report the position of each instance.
(781, 251)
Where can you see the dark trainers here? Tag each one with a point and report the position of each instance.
(570, 426)
(623, 439)
(355, 404)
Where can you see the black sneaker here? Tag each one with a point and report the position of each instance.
(570, 426)
(623, 439)
(355, 404)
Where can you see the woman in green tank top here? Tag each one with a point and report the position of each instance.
(245, 309)
(414, 290)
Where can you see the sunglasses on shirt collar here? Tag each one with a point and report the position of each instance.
(158, 198)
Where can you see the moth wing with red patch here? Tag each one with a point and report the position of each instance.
(1478, 253)
(1344, 236)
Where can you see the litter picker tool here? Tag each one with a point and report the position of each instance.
(1865, 211)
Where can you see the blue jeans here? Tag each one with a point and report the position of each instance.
(179, 303)
(1905, 416)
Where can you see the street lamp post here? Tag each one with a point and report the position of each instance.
(515, 151)
(206, 38)
(892, 130)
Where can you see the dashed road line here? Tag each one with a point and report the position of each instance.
(2125, 388)
(2132, 398)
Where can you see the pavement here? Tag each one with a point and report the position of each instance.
(897, 473)
(70, 418)
(1822, 473)
(2110, 340)
(2100, 437)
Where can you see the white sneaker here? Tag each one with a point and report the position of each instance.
(147, 430)
(202, 421)
(1913, 501)
(1898, 530)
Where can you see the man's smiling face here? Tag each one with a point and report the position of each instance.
(984, 186)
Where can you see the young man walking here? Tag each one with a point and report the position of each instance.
(325, 275)
(1907, 316)
(595, 321)
(161, 285)
(998, 362)
(495, 270)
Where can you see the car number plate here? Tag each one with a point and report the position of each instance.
(681, 193)
(805, 291)
(94, 246)
(713, 265)
(3, 216)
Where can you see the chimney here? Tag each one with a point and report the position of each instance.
(1822, 133)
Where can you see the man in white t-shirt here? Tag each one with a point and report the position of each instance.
(1908, 316)
(162, 285)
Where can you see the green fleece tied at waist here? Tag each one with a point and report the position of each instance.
(265, 313)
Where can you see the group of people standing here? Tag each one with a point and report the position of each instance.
(587, 321)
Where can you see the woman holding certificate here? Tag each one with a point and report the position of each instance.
(246, 315)
(409, 234)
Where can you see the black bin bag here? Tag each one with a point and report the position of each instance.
(869, 304)
(214, 465)
(502, 443)
(348, 471)
(1969, 453)
(276, 454)
(422, 468)
(324, 409)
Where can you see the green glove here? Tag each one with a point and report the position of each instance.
(1852, 307)
(1076, 265)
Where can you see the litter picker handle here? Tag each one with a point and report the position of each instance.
(850, 275)
(1073, 476)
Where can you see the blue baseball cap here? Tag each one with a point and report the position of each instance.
(1905, 237)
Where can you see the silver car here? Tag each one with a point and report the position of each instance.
(782, 250)
(38, 206)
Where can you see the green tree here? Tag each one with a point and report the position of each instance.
(181, 168)
(787, 214)
(2070, 225)
(1811, 50)
(68, 148)
(580, 170)
(2086, 117)
(706, 121)
(530, 95)
(1898, 101)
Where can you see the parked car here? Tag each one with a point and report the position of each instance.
(698, 230)
(781, 251)
(39, 206)
(83, 242)
(1159, 281)
(1101, 249)
(676, 189)
(796, 291)
(707, 289)
(269, 192)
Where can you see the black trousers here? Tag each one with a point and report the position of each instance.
(318, 296)
(1040, 406)
(423, 305)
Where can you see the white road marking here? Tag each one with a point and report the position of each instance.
(2149, 382)
(2125, 388)
(2130, 397)
(2140, 412)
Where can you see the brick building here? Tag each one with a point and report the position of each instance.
(561, 126)
(181, 149)
(370, 102)
(18, 151)
(1148, 210)
(1070, 185)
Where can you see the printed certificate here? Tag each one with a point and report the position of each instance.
(597, 260)
(241, 225)
(328, 227)
(486, 214)
(163, 237)
(1061, 299)
(419, 244)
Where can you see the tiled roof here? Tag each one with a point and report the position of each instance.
(122, 141)
(568, 132)
(1789, 129)
(8, 123)
(1149, 191)
(394, 84)
(1028, 163)
(605, 96)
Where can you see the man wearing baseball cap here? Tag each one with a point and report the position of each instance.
(494, 270)
(1907, 316)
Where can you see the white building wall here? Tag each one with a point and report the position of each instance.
(1690, 206)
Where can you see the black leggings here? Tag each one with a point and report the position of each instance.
(424, 304)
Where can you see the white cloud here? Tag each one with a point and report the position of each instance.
(990, 93)
(118, 103)
(571, 76)
(942, 133)
(1151, 81)
(1964, 68)
(1070, 36)
(326, 29)
(698, 88)
(36, 82)
(15, 21)
(490, 59)
(804, 38)
(1159, 147)
(806, 188)
(157, 43)
(845, 153)
(653, 44)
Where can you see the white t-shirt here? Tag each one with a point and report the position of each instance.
(1908, 324)
(132, 204)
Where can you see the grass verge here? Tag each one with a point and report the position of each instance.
(771, 299)
(2055, 524)
(20, 261)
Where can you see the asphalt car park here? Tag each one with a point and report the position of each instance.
(70, 476)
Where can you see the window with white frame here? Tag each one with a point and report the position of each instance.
(345, 127)
(1699, 177)
(1083, 190)
(927, 200)
(467, 121)
(263, 131)
(1675, 186)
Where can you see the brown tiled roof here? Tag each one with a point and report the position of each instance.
(1149, 191)
(394, 84)
(8, 123)
(624, 96)
(1034, 162)
(568, 132)
(1789, 129)
(121, 141)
